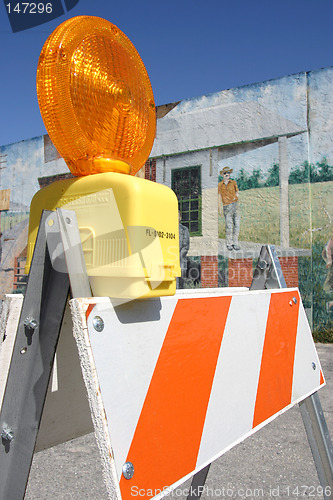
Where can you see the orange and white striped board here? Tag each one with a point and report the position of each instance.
(180, 380)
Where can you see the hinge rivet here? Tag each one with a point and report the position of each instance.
(7, 434)
(30, 323)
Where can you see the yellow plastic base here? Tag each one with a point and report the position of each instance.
(101, 165)
(129, 232)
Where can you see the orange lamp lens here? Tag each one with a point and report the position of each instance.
(95, 97)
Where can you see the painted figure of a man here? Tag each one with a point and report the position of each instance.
(228, 198)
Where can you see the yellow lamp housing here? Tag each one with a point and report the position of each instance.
(128, 228)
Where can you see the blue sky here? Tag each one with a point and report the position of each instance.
(190, 48)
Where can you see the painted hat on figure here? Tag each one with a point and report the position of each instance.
(226, 170)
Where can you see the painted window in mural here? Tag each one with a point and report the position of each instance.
(186, 183)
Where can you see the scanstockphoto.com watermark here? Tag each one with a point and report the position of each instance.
(303, 491)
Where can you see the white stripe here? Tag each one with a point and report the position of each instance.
(132, 338)
(306, 375)
(232, 401)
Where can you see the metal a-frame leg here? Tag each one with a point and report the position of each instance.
(268, 275)
(62, 227)
(197, 484)
(30, 368)
(35, 345)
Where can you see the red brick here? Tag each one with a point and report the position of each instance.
(150, 170)
(240, 272)
(289, 267)
(209, 269)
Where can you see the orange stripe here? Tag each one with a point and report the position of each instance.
(89, 309)
(322, 380)
(168, 434)
(277, 363)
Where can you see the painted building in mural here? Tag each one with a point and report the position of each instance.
(276, 140)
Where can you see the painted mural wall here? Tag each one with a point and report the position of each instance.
(22, 164)
(276, 141)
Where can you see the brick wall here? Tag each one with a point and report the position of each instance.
(240, 272)
(209, 270)
(289, 266)
(150, 170)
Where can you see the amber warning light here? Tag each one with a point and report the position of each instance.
(98, 107)
(95, 97)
